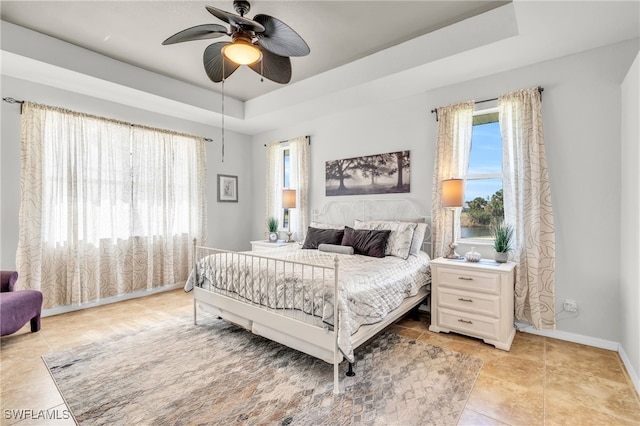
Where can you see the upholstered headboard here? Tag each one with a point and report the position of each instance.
(345, 212)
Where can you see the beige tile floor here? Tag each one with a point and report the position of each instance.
(540, 381)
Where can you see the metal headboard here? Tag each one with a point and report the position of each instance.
(345, 212)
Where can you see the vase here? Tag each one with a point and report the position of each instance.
(502, 257)
(273, 237)
(472, 256)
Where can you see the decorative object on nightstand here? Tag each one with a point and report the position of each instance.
(502, 235)
(289, 202)
(472, 256)
(272, 227)
(452, 198)
(474, 299)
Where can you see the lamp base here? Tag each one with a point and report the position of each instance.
(289, 237)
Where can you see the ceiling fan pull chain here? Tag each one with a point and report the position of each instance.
(223, 79)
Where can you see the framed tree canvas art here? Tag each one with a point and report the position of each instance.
(372, 174)
(228, 188)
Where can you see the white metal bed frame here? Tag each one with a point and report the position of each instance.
(299, 331)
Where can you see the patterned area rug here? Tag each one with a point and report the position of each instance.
(176, 373)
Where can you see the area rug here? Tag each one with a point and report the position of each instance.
(214, 373)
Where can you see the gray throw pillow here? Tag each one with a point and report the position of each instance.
(368, 242)
(333, 248)
(316, 236)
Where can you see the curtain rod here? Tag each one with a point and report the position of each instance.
(435, 110)
(15, 101)
(308, 138)
(12, 101)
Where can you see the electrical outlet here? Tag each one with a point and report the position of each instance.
(570, 305)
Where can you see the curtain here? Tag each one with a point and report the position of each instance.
(527, 206)
(453, 144)
(89, 190)
(168, 205)
(298, 179)
(274, 183)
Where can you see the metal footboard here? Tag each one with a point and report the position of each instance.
(294, 303)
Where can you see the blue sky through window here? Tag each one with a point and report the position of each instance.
(485, 157)
(287, 167)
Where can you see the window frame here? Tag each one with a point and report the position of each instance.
(481, 176)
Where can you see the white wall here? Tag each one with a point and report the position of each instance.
(394, 126)
(227, 222)
(581, 109)
(630, 218)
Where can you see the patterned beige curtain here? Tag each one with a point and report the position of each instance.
(274, 183)
(106, 208)
(298, 180)
(455, 126)
(299, 163)
(527, 206)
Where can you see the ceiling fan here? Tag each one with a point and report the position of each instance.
(265, 44)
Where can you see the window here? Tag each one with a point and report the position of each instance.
(287, 167)
(483, 191)
(286, 181)
(107, 208)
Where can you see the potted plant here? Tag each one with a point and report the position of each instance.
(503, 235)
(272, 227)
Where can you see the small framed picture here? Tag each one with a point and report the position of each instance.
(227, 188)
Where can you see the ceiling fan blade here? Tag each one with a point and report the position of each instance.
(235, 20)
(213, 60)
(280, 38)
(199, 32)
(274, 67)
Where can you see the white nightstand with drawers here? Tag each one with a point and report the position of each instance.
(473, 298)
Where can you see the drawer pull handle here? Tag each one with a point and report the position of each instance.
(465, 321)
(462, 299)
(465, 278)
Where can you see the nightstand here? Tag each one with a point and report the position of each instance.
(474, 299)
(267, 245)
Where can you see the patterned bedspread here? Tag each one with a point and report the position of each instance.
(370, 287)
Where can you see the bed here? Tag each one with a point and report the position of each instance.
(373, 254)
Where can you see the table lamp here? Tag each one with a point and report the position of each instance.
(289, 202)
(452, 198)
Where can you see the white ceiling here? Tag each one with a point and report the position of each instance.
(338, 32)
(361, 51)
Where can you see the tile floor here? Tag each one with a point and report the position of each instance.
(540, 381)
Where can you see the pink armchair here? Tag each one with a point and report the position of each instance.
(17, 306)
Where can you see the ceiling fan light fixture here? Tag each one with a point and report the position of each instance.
(242, 52)
(264, 43)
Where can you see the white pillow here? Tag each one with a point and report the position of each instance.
(400, 238)
(418, 238)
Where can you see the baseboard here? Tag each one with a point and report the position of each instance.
(633, 375)
(569, 337)
(586, 340)
(107, 300)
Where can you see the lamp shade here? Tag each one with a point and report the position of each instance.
(453, 193)
(288, 198)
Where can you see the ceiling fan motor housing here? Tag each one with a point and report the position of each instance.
(241, 6)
